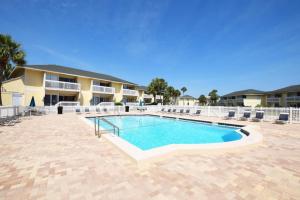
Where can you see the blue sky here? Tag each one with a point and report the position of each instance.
(203, 45)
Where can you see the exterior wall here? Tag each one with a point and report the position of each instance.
(253, 100)
(118, 89)
(86, 94)
(185, 102)
(34, 81)
(32, 85)
(13, 86)
(141, 95)
(6, 98)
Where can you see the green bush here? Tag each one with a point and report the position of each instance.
(118, 104)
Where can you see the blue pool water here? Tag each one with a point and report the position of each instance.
(148, 132)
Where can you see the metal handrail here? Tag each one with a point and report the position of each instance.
(97, 123)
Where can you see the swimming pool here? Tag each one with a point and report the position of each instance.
(148, 132)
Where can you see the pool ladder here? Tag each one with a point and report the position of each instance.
(116, 130)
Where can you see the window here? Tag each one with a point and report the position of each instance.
(50, 100)
(52, 77)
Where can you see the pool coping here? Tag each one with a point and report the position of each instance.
(251, 136)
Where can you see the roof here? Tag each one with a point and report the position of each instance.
(245, 92)
(141, 87)
(187, 97)
(291, 88)
(74, 71)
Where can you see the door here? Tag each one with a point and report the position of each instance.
(16, 99)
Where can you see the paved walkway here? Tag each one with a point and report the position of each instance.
(58, 157)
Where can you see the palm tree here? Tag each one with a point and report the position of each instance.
(177, 93)
(169, 94)
(157, 87)
(11, 54)
(213, 97)
(202, 100)
(183, 89)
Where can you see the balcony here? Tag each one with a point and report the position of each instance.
(129, 92)
(148, 96)
(239, 99)
(293, 98)
(60, 85)
(103, 89)
(273, 99)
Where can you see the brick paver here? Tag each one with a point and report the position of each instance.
(58, 157)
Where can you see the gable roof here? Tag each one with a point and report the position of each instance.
(141, 87)
(187, 97)
(74, 71)
(291, 88)
(245, 92)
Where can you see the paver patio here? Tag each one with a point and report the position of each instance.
(58, 157)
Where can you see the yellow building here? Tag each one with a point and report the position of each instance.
(186, 100)
(248, 97)
(51, 84)
(283, 97)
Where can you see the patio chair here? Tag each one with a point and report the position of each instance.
(187, 111)
(246, 116)
(174, 111)
(98, 110)
(162, 110)
(259, 116)
(198, 112)
(87, 110)
(283, 118)
(77, 110)
(181, 111)
(7, 121)
(231, 114)
(105, 110)
(169, 110)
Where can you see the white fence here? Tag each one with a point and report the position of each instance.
(271, 114)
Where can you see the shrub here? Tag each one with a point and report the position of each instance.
(118, 104)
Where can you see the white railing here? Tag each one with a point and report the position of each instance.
(103, 89)
(106, 104)
(293, 98)
(8, 111)
(240, 99)
(68, 103)
(132, 104)
(273, 99)
(130, 92)
(159, 97)
(51, 84)
(148, 96)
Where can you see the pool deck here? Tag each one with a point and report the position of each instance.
(59, 157)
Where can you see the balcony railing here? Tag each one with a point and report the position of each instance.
(239, 99)
(103, 89)
(130, 92)
(273, 99)
(293, 98)
(60, 85)
(159, 97)
(148, 96)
